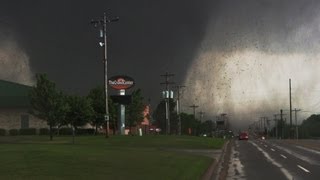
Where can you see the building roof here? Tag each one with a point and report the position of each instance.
(14, 94)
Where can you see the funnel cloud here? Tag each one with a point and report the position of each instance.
(250, 51)
(14, 62)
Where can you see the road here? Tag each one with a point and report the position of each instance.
(272, 159)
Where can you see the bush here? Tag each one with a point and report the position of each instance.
(3, 132)
(43, 131)
(89, 131)
(65, 131)
(28, 131)
(13, 132)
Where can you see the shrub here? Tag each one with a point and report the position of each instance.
(28, 131)
(65, 131)
(3, 132)
(13, 132)
(43, 131)
(88, 131)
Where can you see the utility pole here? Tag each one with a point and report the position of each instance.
(225, 119)
(194, 110)
(291, 132)
(283, 123)
(167, 99)
(263, 122)
(201, 113)
(295, 116)
(102, 23)
(194, 113)
(179, 107)
(276, 124)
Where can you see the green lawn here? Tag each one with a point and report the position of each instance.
(119, 157)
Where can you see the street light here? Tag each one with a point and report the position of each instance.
(102, 24)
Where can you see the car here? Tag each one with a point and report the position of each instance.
(243, 136)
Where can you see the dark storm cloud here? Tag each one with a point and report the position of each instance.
(264, 25)
(152, 37)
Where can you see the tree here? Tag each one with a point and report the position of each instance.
(113, 115)
(47, 102)
(80, 112)
(135, 109)
(188, 123)
(159, 115)
(97, 98)
(310, 127)
(206, 127)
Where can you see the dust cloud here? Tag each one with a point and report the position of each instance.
(14, 62)
(250, 50)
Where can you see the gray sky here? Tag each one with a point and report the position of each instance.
(152, 37)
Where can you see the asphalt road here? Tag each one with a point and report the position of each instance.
(272, 160)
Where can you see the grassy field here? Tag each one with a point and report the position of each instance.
(119, 157)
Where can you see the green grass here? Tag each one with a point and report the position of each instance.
(119, 157)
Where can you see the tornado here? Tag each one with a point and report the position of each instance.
(248, 54)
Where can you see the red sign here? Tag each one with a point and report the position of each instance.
(121, 82)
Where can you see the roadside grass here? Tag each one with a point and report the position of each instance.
(95, 157)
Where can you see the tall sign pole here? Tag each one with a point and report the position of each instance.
(102, 23)
(121, 83)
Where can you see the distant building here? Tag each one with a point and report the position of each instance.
(15, 106)
(145, 125)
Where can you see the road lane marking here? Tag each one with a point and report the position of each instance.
(274, 162)
(272, 150)
(265, 146)
(283, 156)
(304, 169)
(299, 155)
(310, 150)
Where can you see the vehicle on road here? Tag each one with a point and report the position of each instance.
(243, 136)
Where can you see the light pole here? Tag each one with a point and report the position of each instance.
(102, 23)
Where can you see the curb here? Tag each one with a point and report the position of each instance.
(212, 171)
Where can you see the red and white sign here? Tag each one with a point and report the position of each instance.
(121, 82)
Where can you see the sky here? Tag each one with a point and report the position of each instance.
(234, 57)
(151, 38)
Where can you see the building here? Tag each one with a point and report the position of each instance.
(15, 107)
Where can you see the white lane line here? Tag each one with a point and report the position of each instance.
(274, 162)
(310, 150)
(304, 169)
(299, 155)
(265, 146)
(283, 156)
(272, 150)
